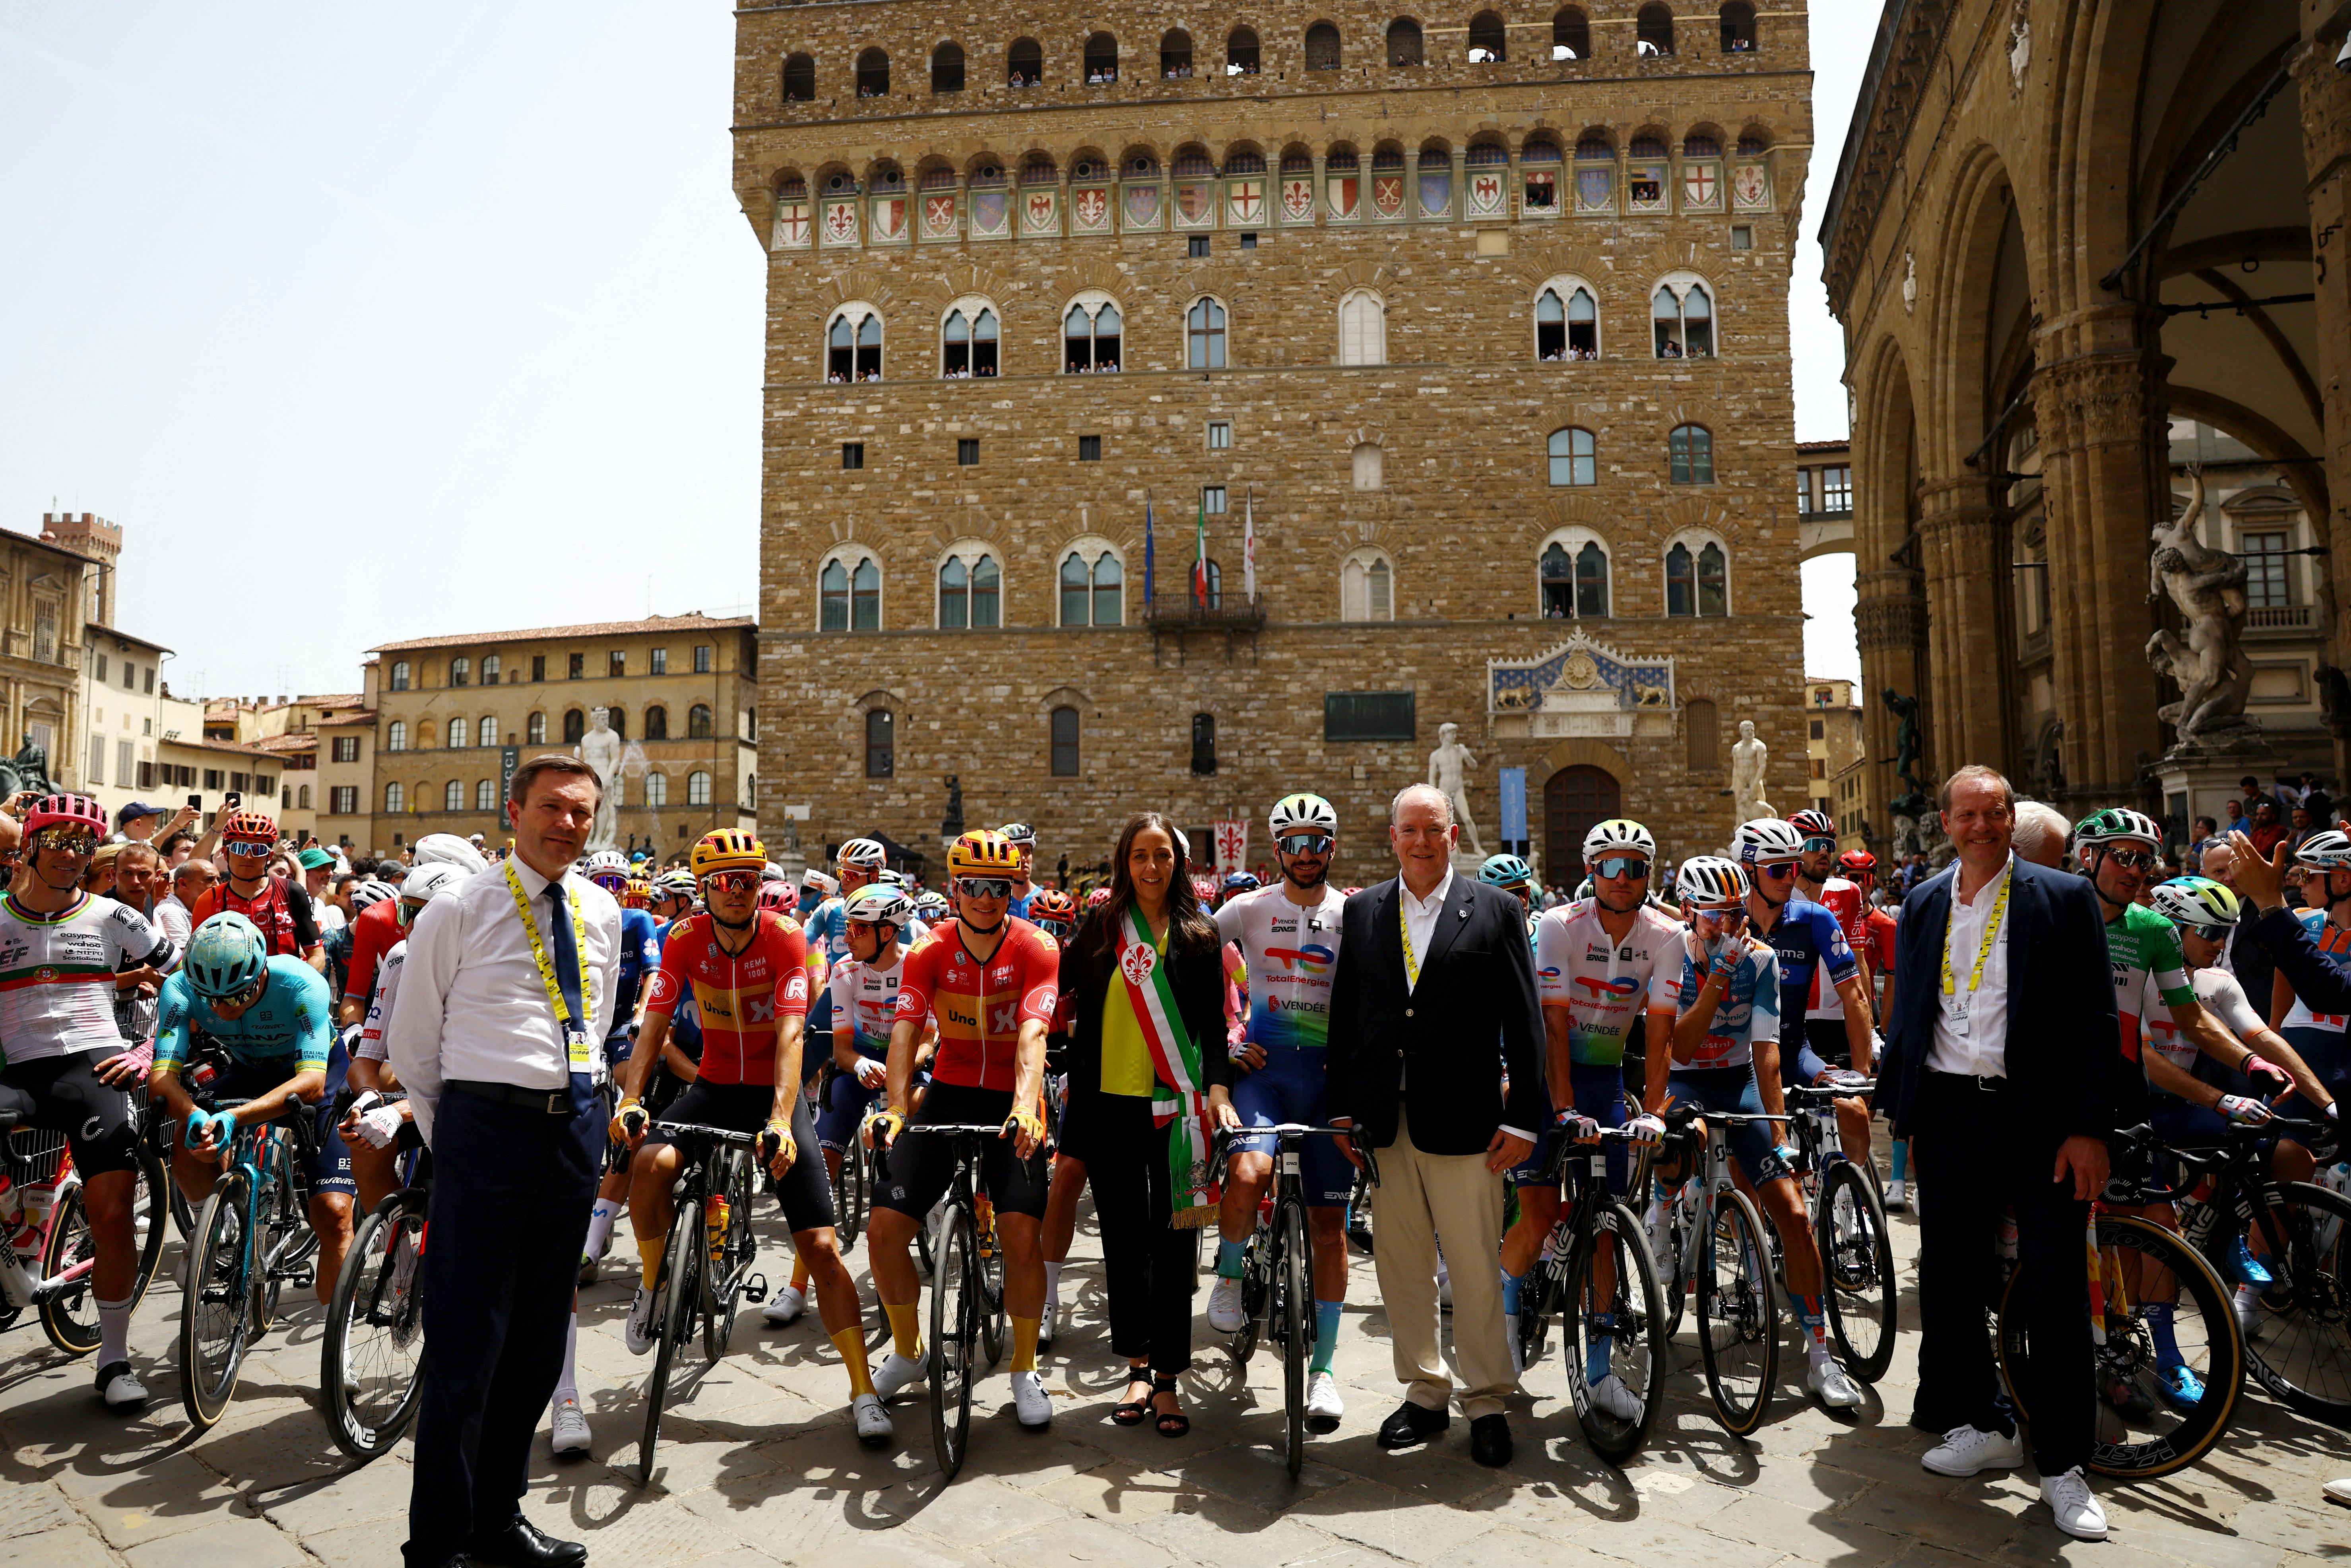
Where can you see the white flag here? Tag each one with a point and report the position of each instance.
(1248, 548)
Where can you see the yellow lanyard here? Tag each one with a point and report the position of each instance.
(1992, 930)
(576, 1038)
(1411, 958)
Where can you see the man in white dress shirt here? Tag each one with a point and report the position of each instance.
(498, 1038)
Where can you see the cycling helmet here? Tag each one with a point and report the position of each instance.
(1204, 888)
(865, 854)
(637, 894)
(366, 895)
(1302, 813)
(1240, 881)
(250, 827)
(606, 861)
(66, 812)
(1097, 898)
(1051, 906)
(1618, 833)
(1506, 870)
(1857, 862)
(450, 849)
(813, 878)
(890, 878)
(931, 907)
(1766, 838)
(423, 882)
(728, 849)
(675, 884)
(2328, 851)
(877, 904)
(1813, 824)
(2117, 825)
(983, 854)
(1712, 880)
(225, 956)
(780, 897)
(2200, 905)
(771, 871)
(1020, 835)
(1586, 889)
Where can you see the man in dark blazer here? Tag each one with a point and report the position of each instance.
(1432, 1004)
(2001, 1064)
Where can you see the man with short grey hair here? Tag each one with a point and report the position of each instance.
(191, 879)
(2040, 834)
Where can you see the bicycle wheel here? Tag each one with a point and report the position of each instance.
(1631, 1344)
(731, 1265)
(955, 1334)
(1738, 1317)
(989, 1252)
(850, 1194)
(1857, 1263)
(1673, 1275)
(374, 1345)
(1294, 1314)
(1536, 1296)
(216, 1317)
(70, 1317)
(2300, 1345)
(2143, 1431)
(679, 1297)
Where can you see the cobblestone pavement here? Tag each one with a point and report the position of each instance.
(759, 1466)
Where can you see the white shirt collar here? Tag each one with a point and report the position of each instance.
(1991, 887)
(1436, 899)
(533, 884)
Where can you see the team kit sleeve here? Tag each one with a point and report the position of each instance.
(1837, 953)
(672, 980)
(171, 1006)
(2228, 1002)
(370, 941)
(800, 971)
(1041, 980)
(134, 940)
(387, 995)
(1551, 961)
(919, 978)
(2167, 963)
(1765, 1018)
(314, 1014)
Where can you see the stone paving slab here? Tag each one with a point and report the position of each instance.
(759, 1466)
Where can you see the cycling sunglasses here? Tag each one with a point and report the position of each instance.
(2134, 860)
(1633, 866)
(244, 848)
(732, 881)
(71, 841)
(1812, 845)
(1778, 870)
(1304, 843)
(983, 886)
(245, 998)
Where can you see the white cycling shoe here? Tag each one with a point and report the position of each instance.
(571, 1428)
(874, 1425)
(1971, 1451)
(1323, 1406)
(1045, 1325)
(1612, 1396)
(119, 1387)
(784, 1307)
(1834, 1386)
(2078, 1512)
(1225, 1306)
(1030, 1400)
(637, 1333)
(897, 1372)
(2338, 1491)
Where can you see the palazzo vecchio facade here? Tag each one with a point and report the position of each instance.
(1480, 317)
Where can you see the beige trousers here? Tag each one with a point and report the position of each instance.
(1422, 1199)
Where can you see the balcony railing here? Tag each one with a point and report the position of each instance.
(2278, 618)
(1178, 611)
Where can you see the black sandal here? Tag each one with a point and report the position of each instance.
(1171, 1423)
(1132, 1413)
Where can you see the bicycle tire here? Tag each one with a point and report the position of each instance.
(1857, 1264)
(723, 1277)
(955, 1333)
(216, 1317)
(987, 1251)
(1750, 1314)
(2315, 1228)
(1634, 1304)
(282, 1212)
(1673, 1272)
(849, 1198)
(69, 1319)
(2123, 1356)
(680, 1289)
(1294, 1308)
(371, 1401)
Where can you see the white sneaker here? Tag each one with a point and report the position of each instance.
(178, 1270)
(2248, 1303)
(1897, 1196)
(637, 1333)
(1323, 1406)
(2077, 1512)
(784, 1307)
(1225, 1306)
(873, 1426)
(1518, 1352)
(1969, 1450)
(2338, 1491)
(1611, 1394)
(1444, 1285)
(119, 1387)
(1030, 1400)
(897, 1372)
(571, 1428)
(1836, 1390)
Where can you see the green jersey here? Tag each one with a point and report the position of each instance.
(2144, 948)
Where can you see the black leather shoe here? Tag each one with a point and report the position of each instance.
(523, 1545)
(1411, 1424)
(1489, 1440)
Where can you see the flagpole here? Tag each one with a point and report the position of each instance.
(1248, 547)
(1146, 553)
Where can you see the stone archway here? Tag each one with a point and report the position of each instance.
(1576, 798)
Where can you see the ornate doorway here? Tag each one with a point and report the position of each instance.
(1573, 800)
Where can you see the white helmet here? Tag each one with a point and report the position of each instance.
(865, 854)
(1766, 840)
(607, 862)
(450, 849)
(2328, 850)
(1300, 813)
(428, 881)
(1711, 880)
(1618, 833)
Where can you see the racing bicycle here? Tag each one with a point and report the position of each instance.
(1715, 1239)
(1849, 1225)
(706, 1274)
(967, 1287)
(253, 1238)
(373, 1350)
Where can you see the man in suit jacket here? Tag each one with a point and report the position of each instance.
(2002, 1053)
(1432, 1003)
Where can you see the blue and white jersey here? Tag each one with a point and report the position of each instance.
(1807, 937)
(1750, 1007)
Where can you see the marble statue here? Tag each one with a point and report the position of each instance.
(2214, 673)
(1448, 770)
(600, 748)
(1747, 756)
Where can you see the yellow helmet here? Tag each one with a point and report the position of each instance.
(983, 854)
(637, 894)
(728, 849)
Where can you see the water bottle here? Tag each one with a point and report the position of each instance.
(2336, 1179)
(23, 1233)
(716, 1218)
(16, 1280)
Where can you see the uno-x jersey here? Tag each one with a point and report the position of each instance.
(1750, 1008)
(1841, 898)
(980, 1008)
(1600, 980)
(865, 1002)
(2334, 941)
(640, 955)
(741, 998)
(1812, 948)
(291, 1028)
(56, 975)
(1287, 954)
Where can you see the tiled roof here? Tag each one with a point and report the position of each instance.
(552, 634)
(1846, 445)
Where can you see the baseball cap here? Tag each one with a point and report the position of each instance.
(136, 810)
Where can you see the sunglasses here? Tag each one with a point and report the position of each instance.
(1778, 872)
(1810, 845)
(243, 997)
(2133, 860)
(1633, 866)
(610, 881)
(248, 851)
(732, 881)
(71, 843)
(1304, 843)
(983, 886)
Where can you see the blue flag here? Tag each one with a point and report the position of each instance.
(1147, 550)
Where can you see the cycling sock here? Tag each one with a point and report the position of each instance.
(1053, 1284)
(1597, 1349)
(1024, 1342)
(599, 1226)
(1901, 1161)
(1808, 1312)
(114, 1331)
(568, 1385)
(905, 1338)
(651, 1249)
(1229, 1259)
(851, 1343)
(1513, 1287)
(2166, 1340)
(799, 1273)
(1326, 1334)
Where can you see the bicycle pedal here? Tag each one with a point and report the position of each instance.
(756, 1290)
(303, 1278)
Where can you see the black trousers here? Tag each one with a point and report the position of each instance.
(1147, 1265)
(511, 1193)
(1971, 1136)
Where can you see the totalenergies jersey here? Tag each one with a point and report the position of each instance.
(1750, 1008)
(1288, 953)
(1841, 898)
(828, 930)
(56, 975)
(979, 1008)
(742, 998)
(865, 1002)
(2334, 941)
(1600, 980)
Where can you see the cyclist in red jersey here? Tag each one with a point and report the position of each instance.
(991, 982)
(1876, 948)
(275, 904)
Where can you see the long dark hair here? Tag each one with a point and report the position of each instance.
(1189, 929)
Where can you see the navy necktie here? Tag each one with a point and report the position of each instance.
(565, 949)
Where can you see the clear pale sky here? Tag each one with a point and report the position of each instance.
(346, 315)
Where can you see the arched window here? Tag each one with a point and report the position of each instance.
(534, 729)
(1567, 321)
(487, 732)
(1571, 35)
(1653, 31)
(1064, 731)
(1702, 735)
(1738, 29)
(395, 797)
(1403, 42)
(1203, 334)
(1322, 48)
(1363, 329)
(853, 344)
(656, 786)
(458, 734)
(1370, 466)
(1091, 334)
(461, 672)
(1367, 587)
(1702, 145)
(1487, 41)
(1682, 313)
(656, 723)
(799, 79)
(302, 799)
(697, 722)
(396, 737)
(881, 743)
(1575, 576)
(575, 724)
(1176, 55)
(1240, 54)
(1093, 584)
(399, 675)
(967, 343)
(1698, 580)
(453, 796)
(697, 787)
(1024, 63)
(486, 795)
(1102, 61)
(971, 591)
(1691, 449)
(1753, 142)
(1573, 460)
(947, 72)
(848, 593)
(490, 670)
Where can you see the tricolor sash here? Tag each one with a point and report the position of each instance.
(1177, 1098)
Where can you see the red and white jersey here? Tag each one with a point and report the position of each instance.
(980, 1006)
(865, 1002)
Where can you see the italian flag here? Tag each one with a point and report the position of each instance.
(1200, 558)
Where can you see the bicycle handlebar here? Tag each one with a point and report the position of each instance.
(1686, 1115)
(1817, 1093)
(710, 1135)
(1220, 1146)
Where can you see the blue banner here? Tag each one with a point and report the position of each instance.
(1512, 784)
